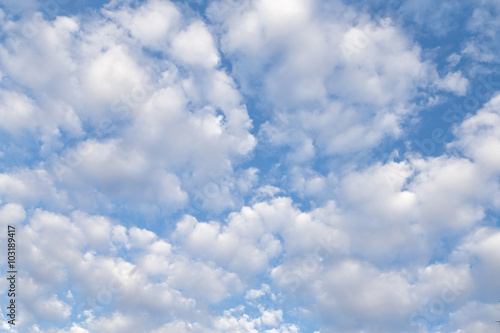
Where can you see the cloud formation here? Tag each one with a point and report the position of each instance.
(251, 166)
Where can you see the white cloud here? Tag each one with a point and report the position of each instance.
(17, 111)
(12, 214)
(253, 294)
(475, 317)
(250, 239)
(32, 187)
(203, 282)
(195, 46)
(138, 112)
(299, 57)
(151, 24)
(272, 318)
(479, 136)
(53, 309)
(117, 322)
(454, 82)
(106, 82)
(76, 247)
(482, 244)
(111, 74)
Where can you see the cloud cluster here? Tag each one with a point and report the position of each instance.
(107, 113)
(238, 166)
(335, 81)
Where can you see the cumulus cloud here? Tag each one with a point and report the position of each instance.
(454, 82)
(114, 99)
(333, 85)
(479, 135)
(250, 166)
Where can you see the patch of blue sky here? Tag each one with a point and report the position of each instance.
(53, 8)
(19, 151)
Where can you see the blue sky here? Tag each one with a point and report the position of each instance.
(267, 166)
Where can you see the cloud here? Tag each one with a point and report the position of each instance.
(440, 19)
(250, 166)
(32, 187)
(76, 247)
(17, 112)
(333, 85)
(195, 46)
(454, 82)
(107, 92)
(479, 135)
(483, 23)
(152, 24)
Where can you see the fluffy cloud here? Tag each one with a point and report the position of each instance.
(238, 166)
(252, 236)
(484, 25)
(479, 135)
(32, 187)
(100, 87)
(454, 82)
(334, 85)
(81, 246)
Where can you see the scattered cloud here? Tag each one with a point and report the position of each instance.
(251, 166)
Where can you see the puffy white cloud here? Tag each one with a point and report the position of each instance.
(151, 24)
(334, 84)
(111, 74)
(140, 108)
(105, 84)
(475, 317)
(32, 187)
(17, 112)
(72, 249)
(353, 288)
(257, 293)
(478, 249)
(12, 214)
(479, 136)
(454, 82)
(195, 46)
(203, 282)
(117, 322)
(272, 318)
(141, 238)
(53, 309)
(40, 61)
(251, 237)
(97, 230)
(179, 326)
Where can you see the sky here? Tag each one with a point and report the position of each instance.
(276, 166)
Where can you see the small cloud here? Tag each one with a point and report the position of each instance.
(454, 82)
(454, 59)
